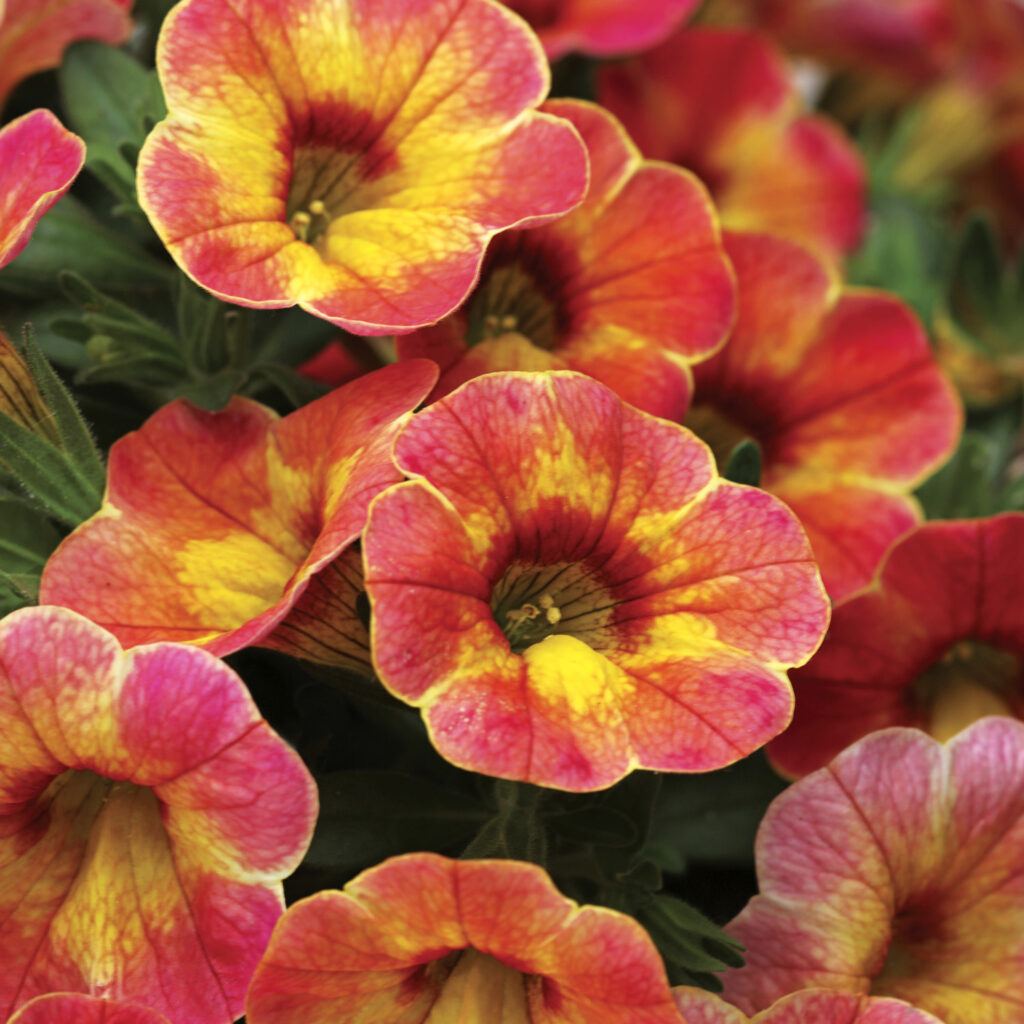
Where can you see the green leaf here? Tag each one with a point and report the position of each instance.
(984, 300)
(27, 539)
(17, 590)
(75, 436)
(104, 89)
(291, 336)
(965, 488)
(213, 393)
(65, 491)
(298, 390)
(70, 238)
(688, 941)
(713, 818)
(744, 464)
(904, 251)
(366, 816)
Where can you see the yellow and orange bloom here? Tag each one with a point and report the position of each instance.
(423, 938)
(936, 642)
(841, 390)
(812, 1006)
(629, 288)
(895, 871)
(721, 103)
(603, 28)
(352, 158)
(234, 528)
(68, 1008)
(35, 33)
(39, 159)
(569, 592)
(958, 63)
(147, 816)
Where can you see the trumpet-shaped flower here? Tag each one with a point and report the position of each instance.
(936, 642)
(39, 159)
(353, 157)
(840, 389)
(422, 938)
(147, 817)
(602, 27)
(35, 33)
(569, 592)
(812, 1006)
(233, 528)
(68, 1008)
(896, 871)
(629, 288)
(721, 103)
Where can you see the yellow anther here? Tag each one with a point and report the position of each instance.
(508, 322)
(553, 615)
(317, 208)
(300, 224)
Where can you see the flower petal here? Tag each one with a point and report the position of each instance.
(214, 523)
(39, 159)
(895, 870)
(147, 816)
(406, 127)
(377, 951)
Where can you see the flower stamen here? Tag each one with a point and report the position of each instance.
(309, 224)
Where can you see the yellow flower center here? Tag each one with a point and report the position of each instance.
(522, 297)
(480, 990)
(309, 224)
(531, 603)
(969, 681)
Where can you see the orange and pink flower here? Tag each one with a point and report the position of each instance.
(840, 389)
(569, 592)
(147, 816)
(895, 871)
(68, 1008)
(602, 27)
(421, 938)
(39, 159)
(629, 288)
(721, 103)
(811, 1006)
(235, 528)
(35, 33)
(351, 158)
(936, 642)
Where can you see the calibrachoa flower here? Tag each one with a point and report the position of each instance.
(422, 938)
(841, 390)
(35, 33)
(896, 871)
(909, 39)
(231, 528)
(602, 27)
(39, 159)
(936, 642)
(63, 1008)
(569, 592)
(147, 817)
(813, 1006)
(353, 158)
(629, 288)
(721, 103)
(960, 64)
